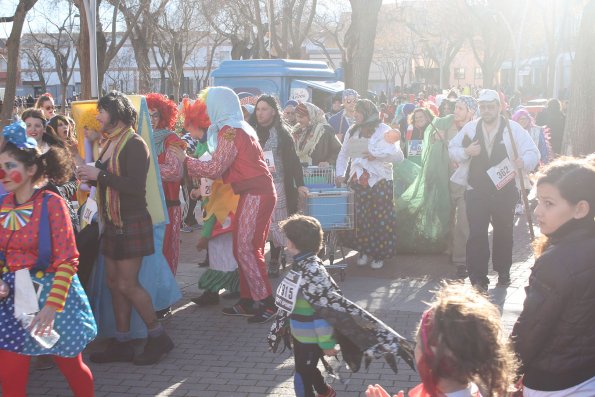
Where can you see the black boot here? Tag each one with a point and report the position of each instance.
(155, 349)
(208, 298)
(116, 352)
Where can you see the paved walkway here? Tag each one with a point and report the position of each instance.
(217, 355)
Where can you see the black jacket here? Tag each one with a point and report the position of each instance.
(293, 173)
(328, 147)
(554, 336)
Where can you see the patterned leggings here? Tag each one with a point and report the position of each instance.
(252, 221)
(15, 374)
(171, 240)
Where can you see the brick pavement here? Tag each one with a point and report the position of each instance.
(217, 355)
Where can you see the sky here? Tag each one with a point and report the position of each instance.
(8, 6)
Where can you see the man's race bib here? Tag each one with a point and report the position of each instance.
(270, 160)
(502, 173)
(415, 147)
(90, 210)
(288, 290)
(205, 187)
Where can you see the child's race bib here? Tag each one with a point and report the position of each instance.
(205, 187)
(288, 290)
(89, 211)
(270, 160)
(502, 173)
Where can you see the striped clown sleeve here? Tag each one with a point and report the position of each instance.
(59, 291)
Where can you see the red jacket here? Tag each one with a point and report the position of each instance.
(249, 172)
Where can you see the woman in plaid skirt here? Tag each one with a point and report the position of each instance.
(120, 175)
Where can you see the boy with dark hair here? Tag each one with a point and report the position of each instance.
(314, 316)
(311, 335)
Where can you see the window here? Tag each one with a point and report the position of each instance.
(459, 73)
(478, 73)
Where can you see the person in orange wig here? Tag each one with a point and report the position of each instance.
(163, 114)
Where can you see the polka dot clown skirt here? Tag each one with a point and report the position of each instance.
(75, 324)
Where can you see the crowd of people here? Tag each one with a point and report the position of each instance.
(108, 267)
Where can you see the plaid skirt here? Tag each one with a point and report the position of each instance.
(133, 240)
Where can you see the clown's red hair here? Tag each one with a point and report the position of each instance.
(168, 111)
(195, 114)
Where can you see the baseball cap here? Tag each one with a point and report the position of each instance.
(488, 96)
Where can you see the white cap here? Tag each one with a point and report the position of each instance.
(488, 96)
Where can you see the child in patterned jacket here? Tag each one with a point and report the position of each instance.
(312, 336)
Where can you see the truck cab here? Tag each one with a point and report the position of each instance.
(306, 81)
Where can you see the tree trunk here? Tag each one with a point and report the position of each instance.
(84, 52)
(140, 47)
(359, 43)
(445, 76)
(579, 138)
(488, 75)
(102, 62)
(64, 91)
(13, 45)
(162, 81)
(285, 29)
(259, 33)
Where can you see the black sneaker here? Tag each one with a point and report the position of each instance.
(155, 349)
(205, 263)
(116, 352)
(208, 298)
(461, 271)
(481, 287)
(273, 269)
(244, 307)
(264, 314)
(503, 280)
(164, 313)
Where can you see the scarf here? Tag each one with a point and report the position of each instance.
(306, 138)
(112, 196)
(223, 108)
(159, 137)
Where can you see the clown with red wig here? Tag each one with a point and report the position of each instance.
(219, 205)
(163, 114)
(238, 159)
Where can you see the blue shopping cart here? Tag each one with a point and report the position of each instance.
(333, 207)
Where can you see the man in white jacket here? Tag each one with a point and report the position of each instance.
(490, 169)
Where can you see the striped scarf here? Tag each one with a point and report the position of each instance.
(112, 196)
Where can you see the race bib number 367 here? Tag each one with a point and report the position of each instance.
(287, 291)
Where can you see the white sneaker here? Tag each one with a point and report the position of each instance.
(377, 265)
(362, 260)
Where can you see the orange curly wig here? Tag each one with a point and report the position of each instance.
(195, 114)
(168, 111)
